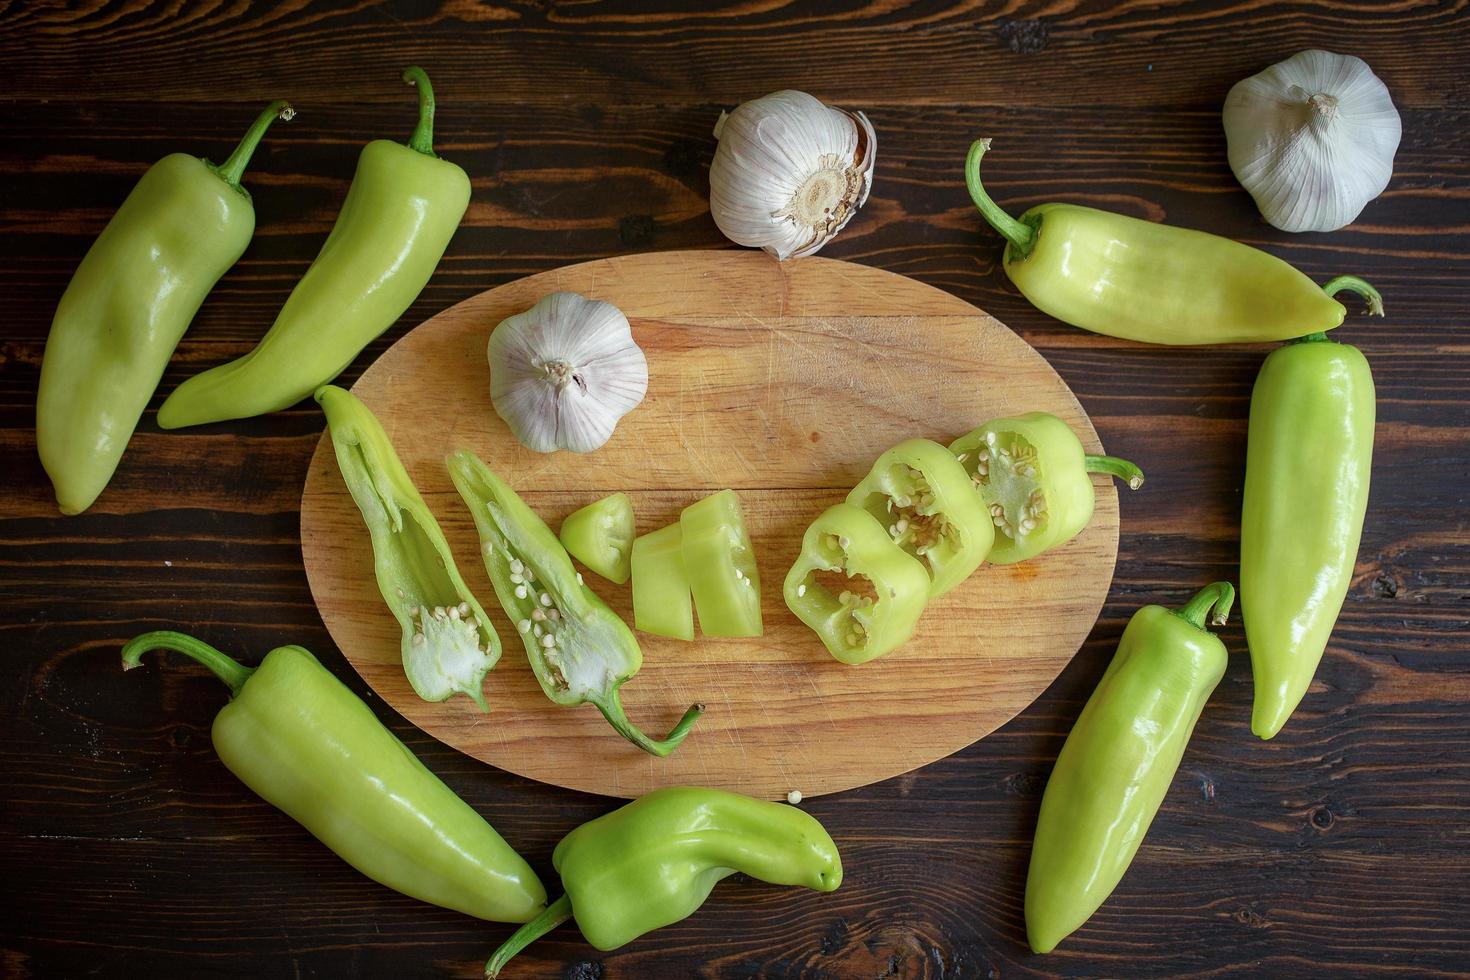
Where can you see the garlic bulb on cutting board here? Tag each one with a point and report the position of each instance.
(1312, 138)
(564, 372)
(789, 172)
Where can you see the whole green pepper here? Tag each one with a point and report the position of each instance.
(138, 287)
(926, 500)
(306, 744)
(1146, 281)
(579, 649)
(871, 616)
(1032, 474)
(655, 861)
(447, 642)
(1119, 760)
(1309, 454)
(403, 207)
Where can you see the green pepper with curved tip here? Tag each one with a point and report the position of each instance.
(448, 644)
(182, 227)
(926, 501)
(1032, 474)
(579, 649)
(654, 862)
(1309, 456)
(307, 745)
(884, 588)
(1147, 281)
(1119, 760)
(403, 207)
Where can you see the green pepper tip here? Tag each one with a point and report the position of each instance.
(1020, 235)
(1362, 287)
(234, 166)
(1214, 599)
(422, 139)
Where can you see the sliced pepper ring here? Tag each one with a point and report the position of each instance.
(923, 497)
(865, 622)
(1032, 475)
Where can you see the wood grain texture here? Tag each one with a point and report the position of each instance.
(1338, 849)
(783, 382)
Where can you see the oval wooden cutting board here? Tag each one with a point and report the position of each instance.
(783, 381)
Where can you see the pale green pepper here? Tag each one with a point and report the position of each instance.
(662, 602)
(721, 566)
(600, 536)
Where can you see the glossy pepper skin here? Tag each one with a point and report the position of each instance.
(876, 616)
(579, 649)
(403, 207)
(1032, 475)
(655, 861)
(182, 227)
(1309, 453)
(600, 536)
(1151, 282)
(926, 501)
(720, 563)
(306, 744)
(662, 602)
(447, 644)
(1119, 760)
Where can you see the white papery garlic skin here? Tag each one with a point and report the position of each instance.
(1312, 138)
(564, 372)
(789, 172)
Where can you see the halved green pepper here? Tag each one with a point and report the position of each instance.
(448, 643)
(923, 496)
(579, 649)
(875, 615)
(662, 603)
(1032, 475)
(654, 862)
(600, 536)
(721, 566)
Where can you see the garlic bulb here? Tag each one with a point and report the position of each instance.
(564, 372)
(1312, 139)
(789, 172)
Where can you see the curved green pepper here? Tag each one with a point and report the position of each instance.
(128, 304)
(926, 500)
(600, 536)
(579, 649)
(1309, 454)
(1031, 472)
(655, 861)
(868, 617)
(1146, 281)
(662, 601)
(1119, 760)
(306, 744)
(403, 207)
(448, 644)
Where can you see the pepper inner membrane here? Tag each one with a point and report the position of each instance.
(912, 520)
(1008, 471)
(841, 592)
(538, 617)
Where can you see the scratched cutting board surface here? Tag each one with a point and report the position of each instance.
(783, 381)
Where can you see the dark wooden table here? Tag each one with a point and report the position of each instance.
(126, 848)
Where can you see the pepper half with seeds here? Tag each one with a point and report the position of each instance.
(1032, 474)
(923, 496)
(579, 649)
(448, 643)
(885, 589)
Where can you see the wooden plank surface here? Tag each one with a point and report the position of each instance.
(1337, 849)
(783, 382)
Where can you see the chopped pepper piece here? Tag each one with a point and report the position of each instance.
(1032, 475)
(721, 566)
(918, 491)
(600, 536)
(448, 643)
(662, 604)
(869, 620)
(654, 862)
(579, 649)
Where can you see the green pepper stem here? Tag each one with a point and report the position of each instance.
(232, 672)
(1115, 466)
(1371, 296)
(1219, 595)
(422, 139)
(234, 168)
(611, 707)
(1021, 235)
(556, 913)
